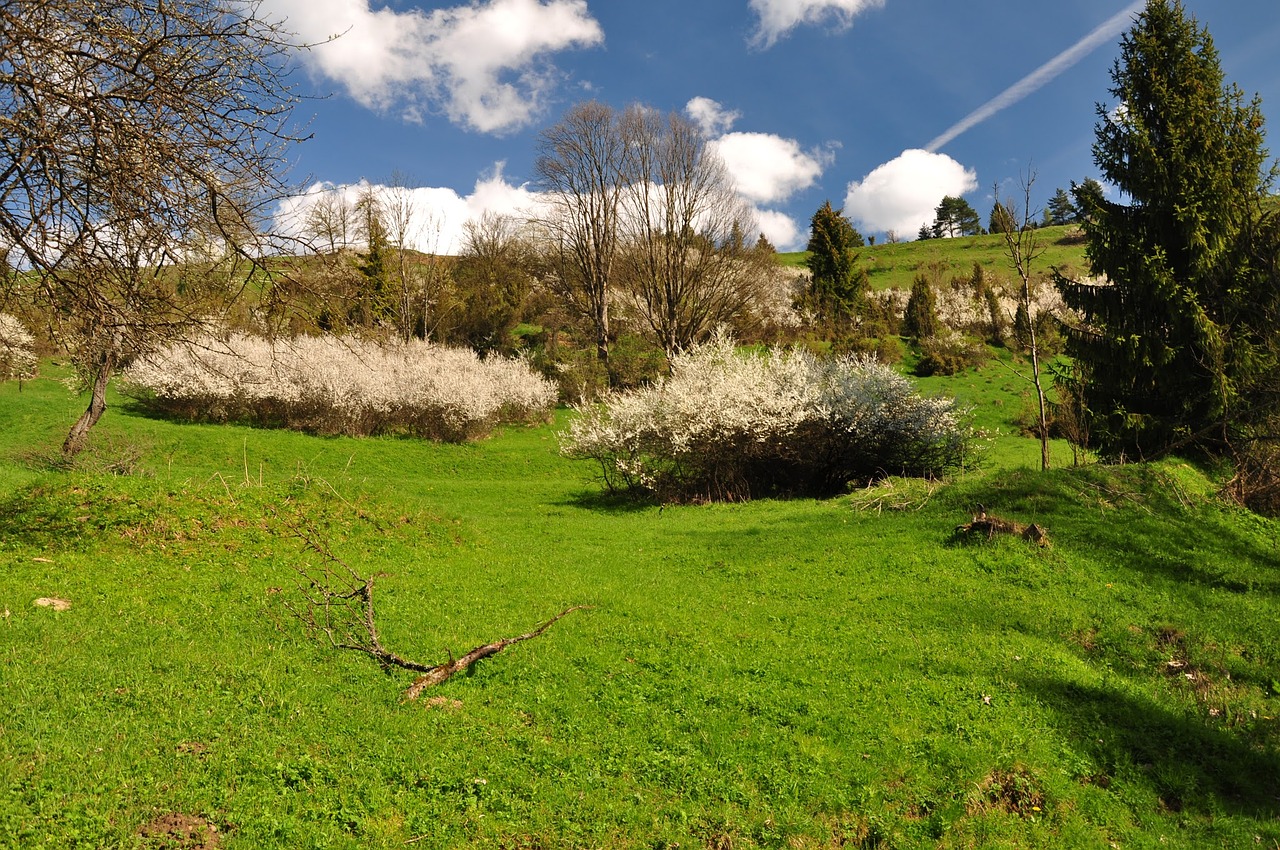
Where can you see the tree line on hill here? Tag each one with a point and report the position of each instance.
(145, 142)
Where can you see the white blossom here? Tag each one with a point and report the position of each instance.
(17, 350)
(342, 386)
(727, 426)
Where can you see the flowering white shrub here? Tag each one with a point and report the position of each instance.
(727, 426)
(342, 386)
(17, 350)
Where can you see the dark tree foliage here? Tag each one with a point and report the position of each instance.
(493, 279)
(955, 217)
(836, 287)
(374, 304)
(1088, 195)
(1001, 219)
(921, 318)
(1060, 209)
(1178, 332)
(926, 232)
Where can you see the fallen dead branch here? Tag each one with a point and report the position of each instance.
(337, 602)
(991, 525)
(440, 672)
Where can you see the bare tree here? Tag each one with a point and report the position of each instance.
(1023, 248)
(685, 256)
(128, 129)
(581, 167)
(330, 221)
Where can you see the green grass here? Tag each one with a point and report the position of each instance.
(778, 674)
(895, 265)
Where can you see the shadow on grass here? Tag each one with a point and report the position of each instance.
(606, 501)
(1138, 517)
(64, 514)
(1188, 763)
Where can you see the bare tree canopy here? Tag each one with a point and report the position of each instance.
(687, 263)
(581, 165)
(136, 137)
(640, 205)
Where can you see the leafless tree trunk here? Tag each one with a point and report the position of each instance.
(135, 136)
(101, 374)
(684, 256)
(329, 221)
(401, 218)
(581, 166)
(1022, 246)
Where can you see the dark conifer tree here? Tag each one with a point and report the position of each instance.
(1088, 195)
(835, 288)
(921, 318)
(955, 216)
(1060, 209)
(1171, 338)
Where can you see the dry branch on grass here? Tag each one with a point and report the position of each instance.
(991, 525)
(337, 602)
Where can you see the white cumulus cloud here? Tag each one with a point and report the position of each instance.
(781, 230)
(486, 65)
(903, 193)
(766, 168)
(769, 168)
(710, 116)
(436, 217)
(779, 17)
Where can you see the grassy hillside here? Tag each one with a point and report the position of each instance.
(895, 266)
(800, 674)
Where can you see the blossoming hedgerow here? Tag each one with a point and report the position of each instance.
(342, 386)
(17, 350)
(727, 426)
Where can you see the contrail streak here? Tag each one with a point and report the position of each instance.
(1046, 72)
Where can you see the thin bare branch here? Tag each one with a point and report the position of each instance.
(337, 602)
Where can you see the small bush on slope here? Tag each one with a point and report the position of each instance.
(17, 350)
(333, 386)
(727, 427)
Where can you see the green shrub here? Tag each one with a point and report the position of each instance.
(949, 354)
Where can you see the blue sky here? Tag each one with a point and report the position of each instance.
(808, 99)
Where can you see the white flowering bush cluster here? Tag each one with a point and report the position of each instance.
(17, 350)
(727, 427)
(341, 386)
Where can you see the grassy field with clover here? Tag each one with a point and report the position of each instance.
(795, 674)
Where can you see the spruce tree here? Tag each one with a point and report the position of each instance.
(1060, 209)
(921, 317)
(1171, 341)
(1089, 195)
(835, 288)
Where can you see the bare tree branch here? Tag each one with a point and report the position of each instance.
(337, 602)
(142, 142)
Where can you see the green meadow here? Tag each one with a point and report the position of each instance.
(849, 672)
(896, 265)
